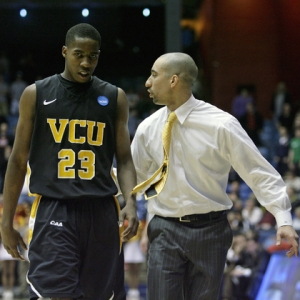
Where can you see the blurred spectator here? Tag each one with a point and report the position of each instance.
(245, 191)
(6, 143)
(294, 197)
(134, 117)
(24, 198)
(14, 271)
(248, 273)
(294, 153)
(237, 205)
(232, 259)
(8, 276)
(146, 106)
(282, 151)
(234, 187)
(144, 243)
(233, 176)
(267, 221)
(197, 88)
(133, 255)
(252, 121)
(296, 123)
(16, 89)
(133, 122)
(3, 97)
(5, 66)
(280, 96)
(251, 234)
(291, 180)
(236, 200)
(238, 245)
(258, 262)
(133, 98)
(252, 213)
(23, 213)
(286, 118)
(28, 67)
(296, 218)
(236, 221)
(239, 103)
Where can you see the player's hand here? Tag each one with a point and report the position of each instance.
(129, 213)
(11, 238)
(288, 232)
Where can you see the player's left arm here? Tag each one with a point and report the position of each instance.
(125, 168)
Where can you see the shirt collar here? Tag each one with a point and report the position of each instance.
(184, 110)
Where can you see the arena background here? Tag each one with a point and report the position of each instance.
(235, 43)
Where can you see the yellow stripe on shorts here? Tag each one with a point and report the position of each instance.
(33, 212)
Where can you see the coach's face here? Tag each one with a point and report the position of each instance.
(159, 82)
(81, 59)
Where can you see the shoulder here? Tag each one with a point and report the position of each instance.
(121, 97)
(28, 101)
(47, 81)
(215, 121)
(102, 83)
(30, 90)
(212, 114)
(121, 93)
(121, 104)
(106, 89)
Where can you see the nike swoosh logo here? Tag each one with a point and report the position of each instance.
(48, 102)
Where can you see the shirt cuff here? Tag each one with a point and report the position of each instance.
(283, 218)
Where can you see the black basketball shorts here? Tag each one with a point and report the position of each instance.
(74, 248)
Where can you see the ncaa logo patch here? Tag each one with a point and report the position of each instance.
(102, 100)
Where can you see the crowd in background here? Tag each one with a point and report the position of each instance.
(254, 240)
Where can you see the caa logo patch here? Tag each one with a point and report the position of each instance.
(102, 100)
(59, 224)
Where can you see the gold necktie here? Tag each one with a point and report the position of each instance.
(157, 187)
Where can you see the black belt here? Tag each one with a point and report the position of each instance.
(213, 215)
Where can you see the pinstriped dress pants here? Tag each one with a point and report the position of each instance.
(186, 260)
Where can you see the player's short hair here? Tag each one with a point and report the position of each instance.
(82, 30)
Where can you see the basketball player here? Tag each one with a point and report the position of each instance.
(71, 126)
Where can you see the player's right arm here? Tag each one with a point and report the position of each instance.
(16, 171)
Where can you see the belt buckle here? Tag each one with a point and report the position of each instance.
(182, 220)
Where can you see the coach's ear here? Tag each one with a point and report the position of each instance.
(174, 80)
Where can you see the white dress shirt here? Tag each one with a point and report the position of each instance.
(205, 143)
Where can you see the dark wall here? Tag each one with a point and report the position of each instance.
(289, 45)
(131, 42)
(253, 43)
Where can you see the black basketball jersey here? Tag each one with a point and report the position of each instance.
(73, 142)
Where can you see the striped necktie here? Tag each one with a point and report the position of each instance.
(157, 186)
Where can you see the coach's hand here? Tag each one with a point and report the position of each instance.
(288, 232)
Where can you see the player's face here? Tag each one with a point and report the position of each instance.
(81, 59)
(158, 83)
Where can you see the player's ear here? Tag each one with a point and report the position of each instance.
(64, 51)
